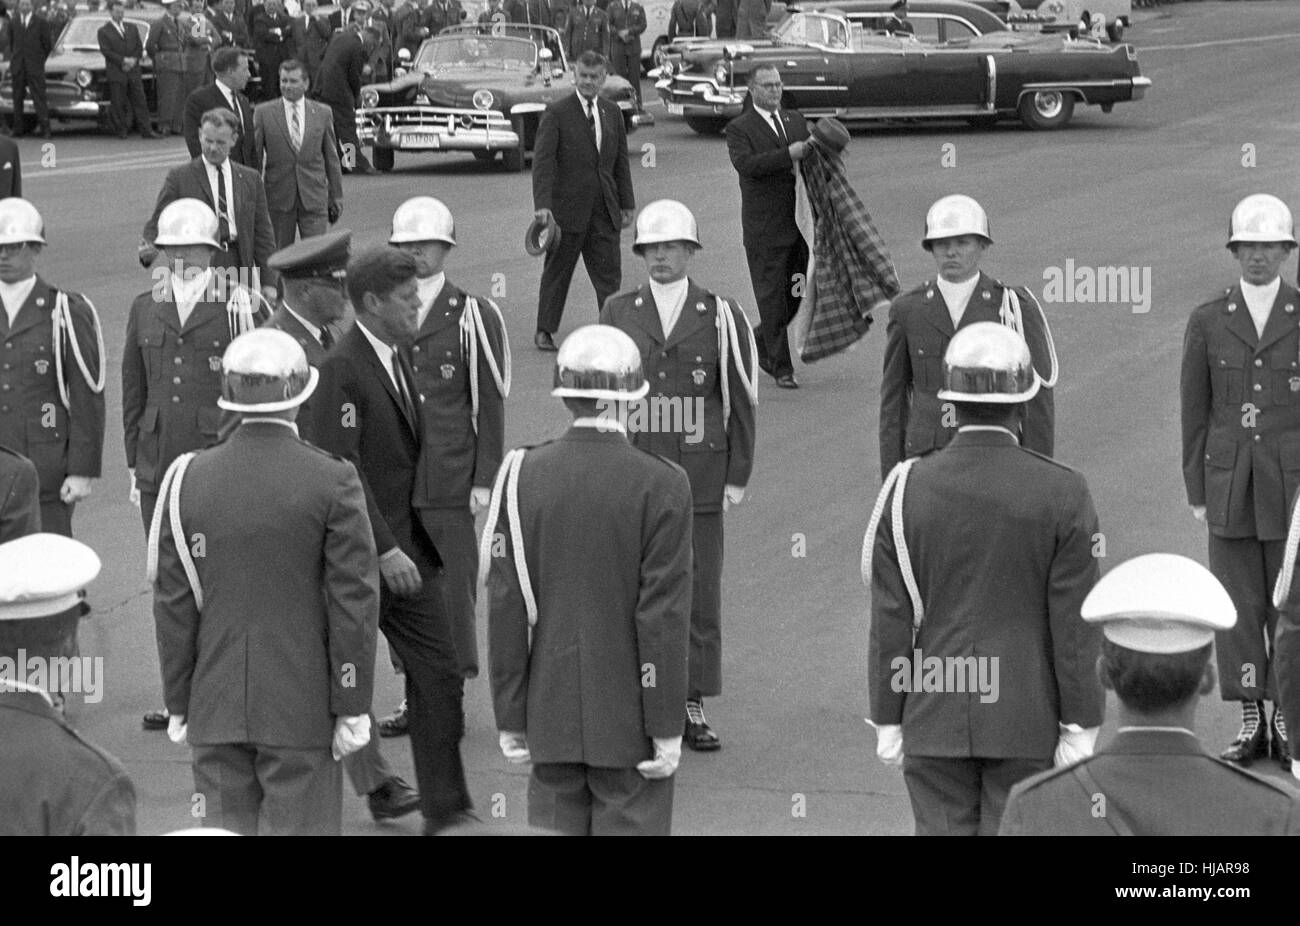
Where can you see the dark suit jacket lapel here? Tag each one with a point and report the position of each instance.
(371, 359)
(692, 318)
(200, 168)
(35, 311)
(761, 129)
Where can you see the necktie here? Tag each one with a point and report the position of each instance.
(403, 384)
(223, 220)
(295, 128)
(326, 338)
(778, 127)
(591, 117)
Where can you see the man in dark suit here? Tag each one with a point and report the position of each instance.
(581, 180)
(765, 142)
(981, 671)
(120, 44)
(1241, 447)
(699, 351)
(588, 629)
(231, 30)
(295, 147)
(230, 66)
(30, 43)
(1159, 614)
(311, 34)
(235, 193)
(367, 412)
(52, 782)
(267, 640)
(272, 33)
(339, 84)
(20, 506)
(921, 323)
(11, 169)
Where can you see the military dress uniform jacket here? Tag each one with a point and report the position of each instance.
(688, 366)
(457, 454)
(53, 782)
(629, 15)
(171, 380)
(912, 419)
(20, 511)
(1000, 540)
(60, 441)
(587, 29)
(606, 533)
(1241, 414)
(283, 641)
(283, 321)
(1157, 782)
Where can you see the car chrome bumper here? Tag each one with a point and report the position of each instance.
(418, 128)
(701, 100)
(1140, 85)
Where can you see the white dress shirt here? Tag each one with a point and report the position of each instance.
(230, 191)
(15, 295)
(387, 356)
(669, 299)
(312, 329)
(429, 289)
(956, 296)
(1259, 302)
(770, 116)
(588, 107)
(230, 99)
(188, 293)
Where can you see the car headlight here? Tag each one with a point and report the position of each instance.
(666, 69)
(721, 73)
(84, 78)
(369, 98)
(483, 99)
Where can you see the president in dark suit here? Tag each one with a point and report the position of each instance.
(237, 196)
(230, 65)
(366, 412)
(980, 670)
(581, 179)
(11, 169)
(122, 48)
(1159, 614)
(30, 43)
(765, 142)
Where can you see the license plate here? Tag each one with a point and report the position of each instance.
(423, 140)
(676, 109)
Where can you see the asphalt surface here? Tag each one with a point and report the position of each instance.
(1147, 186)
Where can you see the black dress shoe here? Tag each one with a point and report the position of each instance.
(787, 381)
(155, 720)
(1246, 749)
(149, 135)
(698, 735)
(435, 826)
(395, 724)
(543, 341)
(392, 799)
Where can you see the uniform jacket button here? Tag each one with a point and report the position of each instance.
(176, 380)
(1259, 388)
(1258, 362)
(662, 375)
(416, 349)
(176, 400)
(180, 340)
(177, 360)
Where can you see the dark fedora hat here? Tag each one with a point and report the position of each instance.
(830, 134)
(542, 236)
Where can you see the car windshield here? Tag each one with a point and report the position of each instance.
(812, 29)
(482, 51)
(82, 33)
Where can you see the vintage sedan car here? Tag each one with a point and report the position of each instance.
(476, 89)
(832, 66)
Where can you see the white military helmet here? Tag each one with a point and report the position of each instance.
(187, 221)
(20, 222)
(599, 362)
(665, 220)
(1261, 218)
(265, 370)
(423, 218)
(988, 362)
(952, 216)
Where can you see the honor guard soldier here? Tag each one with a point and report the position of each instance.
(461, 361)
(176, 334)
(981, 671)
(266, 639)
(52, 782)
(626, 23)
(699, 356)
(1241, 447)
(587, 542)
(51, 371)
(1159, 615)
(921, 323)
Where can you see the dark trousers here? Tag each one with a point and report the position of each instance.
(367, 768)
(418, 630)
(268, 66)
(705, 662)
(626, 59)
(293, 792)
(171, 102)
(1248, 569)
(962, 797)
(772, 273)
(128, 103)
(581, 800)
(288, 225)
(598, 246)
(345, 130)
(452, 532)
(32, 79)
(56, 517)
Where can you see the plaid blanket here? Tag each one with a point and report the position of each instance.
(852, 273)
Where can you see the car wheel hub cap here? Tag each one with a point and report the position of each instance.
(1048, 104)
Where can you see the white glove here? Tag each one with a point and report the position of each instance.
(176, 729)
(1198, 512)
(135, 490)
(514, 746)
(668, 753)
(1295, 770)
(350, 734)
(732, 495)
(1075, 743)
(479, 498)
(889, 743)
